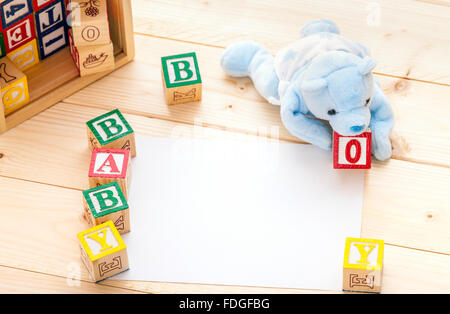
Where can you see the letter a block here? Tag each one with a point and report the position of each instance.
(111, 130)
(107, 202)
(103, 251)
(110, 165)
(181, 78)
(14, 86)
(352, 152)
(363, 265)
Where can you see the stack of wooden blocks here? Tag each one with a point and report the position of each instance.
(89, 37)
(106, 210)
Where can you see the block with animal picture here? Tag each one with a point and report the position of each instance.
(92, 59)
(89, 21)
(111, 130)
(110, 165)
(103, 251)
(181, 78)
(14, 86)
(107, 202)
(352, 152)
(363, 265)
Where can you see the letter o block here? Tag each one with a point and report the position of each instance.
(103, 251)
(110, 165)
(363, 265)
(107, 202)
(181, 78)
(352, 152)
(111, 130)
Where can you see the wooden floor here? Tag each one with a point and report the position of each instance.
(43, 162)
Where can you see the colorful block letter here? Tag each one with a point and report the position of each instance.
(352, 152)
(103, 251)
(111, 130)
(181, 78)
(19, 34)
(14, 86)
(12, 11)
(110, 165)
(53, 40)
(50, 16)
(90, 25)
(363, 265)
(107, 202)
(26, 56)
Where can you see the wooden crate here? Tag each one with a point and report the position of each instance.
(56, 77)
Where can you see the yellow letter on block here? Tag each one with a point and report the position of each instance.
(363, 265)
(103, 251)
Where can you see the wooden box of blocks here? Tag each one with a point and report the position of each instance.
(363, 265)
(37, 68)
(103, 251)
(352, 152)
(181, 78)
(107, 202)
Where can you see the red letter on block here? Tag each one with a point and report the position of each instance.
(352, 152)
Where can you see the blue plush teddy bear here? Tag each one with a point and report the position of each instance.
(323, 75)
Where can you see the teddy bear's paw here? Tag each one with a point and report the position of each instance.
(382, 149)
(236, 59)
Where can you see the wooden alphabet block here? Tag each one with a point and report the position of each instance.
(25, 56)
(53, 40)
(107, 202)
(181, 78)
(103, 251)
(12, 11)
(110, 165)
(40, 4)
(14, 86)
(363, 265)
(352, 152)
(111, 130)
(19, 34)
(90, 25)
(92, 59)
(50, 16)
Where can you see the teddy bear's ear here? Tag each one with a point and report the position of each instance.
(314, 85)
(366, 65)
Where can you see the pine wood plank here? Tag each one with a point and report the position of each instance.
(421, 134)
(403, 35)
(22, 281)
(53, 226)
(402, 220)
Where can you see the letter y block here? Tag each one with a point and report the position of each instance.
(103, 251)
(363, 265)
(111, 130)
(107, 202)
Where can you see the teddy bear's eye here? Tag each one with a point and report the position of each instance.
(367, 101)
(331, 112)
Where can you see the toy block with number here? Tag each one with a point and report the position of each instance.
(352, 152)
(19, 34)
(14, 86)
(26, 56)
(110, 165)
(107, 202)
(103, 251)
(12, 11)
(90, 25)
(111, 130)
(92, 59)
(181, 78)
(363, 265)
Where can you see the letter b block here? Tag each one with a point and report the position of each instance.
(110, 165)
(352, 152)
(181, 78)
(363, 265)
(103, 251)
(107, 202)
(111, 130)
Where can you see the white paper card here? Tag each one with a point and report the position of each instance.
(239, 213)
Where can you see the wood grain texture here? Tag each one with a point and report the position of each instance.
(408, 38)
(403, 220)
(14, 281)
(421, 133)
(54, 249)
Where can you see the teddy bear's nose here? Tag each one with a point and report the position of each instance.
(357, 128)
